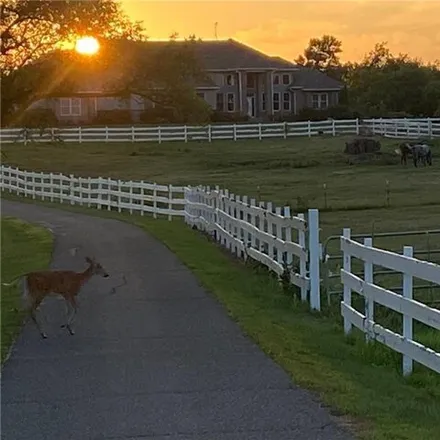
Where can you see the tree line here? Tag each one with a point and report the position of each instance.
(382, 83)
(33, 66)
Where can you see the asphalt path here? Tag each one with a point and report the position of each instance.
(157, 358)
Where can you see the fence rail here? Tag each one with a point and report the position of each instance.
(100, 193)
(396, 128)
(404, 304)
(263, 233)
(267, 234)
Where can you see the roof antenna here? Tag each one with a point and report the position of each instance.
(215, 30)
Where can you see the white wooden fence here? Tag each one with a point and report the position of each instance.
(264, 233)
(268, 234)
(397, 128)
(405, 304)
(100, 193)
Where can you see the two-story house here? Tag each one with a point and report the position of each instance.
(240, 80)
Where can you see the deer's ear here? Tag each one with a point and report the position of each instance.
(89, 260)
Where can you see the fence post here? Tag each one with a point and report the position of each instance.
(80, 191)
(347, 291)
(407, 362)
(51, 186)
(119, 195)
(309, 128)
(89, 192)
(270, 248)
(160, 134)
(185, 131)
(209, 133)
(72, 189)
(106, 134)
(170, 202)
(357, 126)
(279, 234)
(99, 192)
(302, 261)
(259, 131)
(109, 197)
(333, 128)
(369, 303)
(130, 199)
(154, 200)
(313, 224)
(235, 132)
(430, 128)
(132, 133)
(42, 185)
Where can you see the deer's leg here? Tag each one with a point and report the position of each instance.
(32, 309)
(71, 303)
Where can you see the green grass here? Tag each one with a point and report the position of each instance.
(24, 247)
(362, 383)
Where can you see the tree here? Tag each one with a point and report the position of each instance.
(321, 53)
(31, 28)
(167, 75)
(386, 84)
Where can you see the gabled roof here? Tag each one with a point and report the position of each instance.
(232, 55)
(307, 78)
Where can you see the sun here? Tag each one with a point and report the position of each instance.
(87, 45)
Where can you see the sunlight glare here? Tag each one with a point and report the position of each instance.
(87, 45)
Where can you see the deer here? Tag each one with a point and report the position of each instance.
(36, 286)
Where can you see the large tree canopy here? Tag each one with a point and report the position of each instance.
(382, 83)
(321, 53)
(31, 28)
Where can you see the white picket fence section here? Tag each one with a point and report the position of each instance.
(100, 193)
(264, 233)
(396, 128)
(405, 304)
(270, 235)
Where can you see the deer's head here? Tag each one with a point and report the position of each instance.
(96, 268)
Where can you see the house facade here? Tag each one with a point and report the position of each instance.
(240, 80)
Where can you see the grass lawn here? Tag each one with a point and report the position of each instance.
(24, 247)
(359, 382)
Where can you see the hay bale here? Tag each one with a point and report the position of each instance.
(362, 145)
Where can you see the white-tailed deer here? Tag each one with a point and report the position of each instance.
(37, 285)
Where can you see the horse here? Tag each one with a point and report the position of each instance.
(419, 152)
(422, 153)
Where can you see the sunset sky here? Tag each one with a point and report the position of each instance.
(284, 27)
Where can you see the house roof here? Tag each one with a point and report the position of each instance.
(307, 78)
(232, 55)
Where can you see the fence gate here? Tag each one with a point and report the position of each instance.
(426, 245)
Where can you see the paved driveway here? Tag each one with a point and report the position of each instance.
(159, 359)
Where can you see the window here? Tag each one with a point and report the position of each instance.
(276, 102)
(276, 79)
(263, 102)
(286, 101)
(231, 102)
(70, 106)
(320, 101)
(230, 79)
(286, 79)
(201, 95)
(220, 102)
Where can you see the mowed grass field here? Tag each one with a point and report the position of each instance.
(24, 247)
(360, 381)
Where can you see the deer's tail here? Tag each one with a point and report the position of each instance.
(13, 282)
